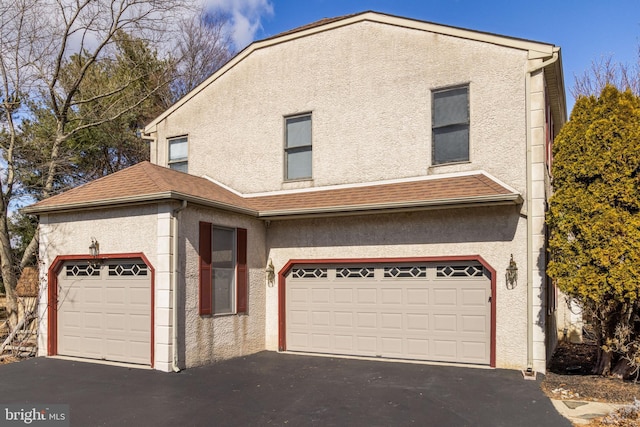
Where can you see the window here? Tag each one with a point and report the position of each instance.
(297, 148)
(178, 152)
(450, 125)
(224, 266)
(223, 270)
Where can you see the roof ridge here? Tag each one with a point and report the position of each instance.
(158, 174)
(331, 187)
(314, 24)
(98, 181)
(154, 175)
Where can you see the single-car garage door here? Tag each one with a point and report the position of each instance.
(424, 311)
(104, 311)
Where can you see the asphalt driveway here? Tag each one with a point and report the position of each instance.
(281, 389)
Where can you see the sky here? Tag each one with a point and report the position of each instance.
(585, 30)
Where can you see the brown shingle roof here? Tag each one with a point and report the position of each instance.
(141, 182)
(442, 191)
(146, 182)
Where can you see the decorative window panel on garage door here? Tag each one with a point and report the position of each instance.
(104, 311)
(430, 311)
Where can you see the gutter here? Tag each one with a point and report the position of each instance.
(133, 200)
(504, 199)
(554, 57)
(514, 198)
(175, 216)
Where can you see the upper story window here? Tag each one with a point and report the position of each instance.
(297, 147)
(450, 125)
(178, 153)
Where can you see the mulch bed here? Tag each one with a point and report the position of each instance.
(569, 377)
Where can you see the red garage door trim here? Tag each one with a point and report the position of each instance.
(282, 279)
(52, 295)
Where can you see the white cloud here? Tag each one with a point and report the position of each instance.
(245, 17)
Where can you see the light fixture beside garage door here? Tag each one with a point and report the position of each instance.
(94, 251)
(271, 273)
(511, 275)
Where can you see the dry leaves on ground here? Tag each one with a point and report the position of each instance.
(569, 378)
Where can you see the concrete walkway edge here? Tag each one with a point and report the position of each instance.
(582, 412)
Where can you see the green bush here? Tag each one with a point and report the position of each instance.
(594, 213)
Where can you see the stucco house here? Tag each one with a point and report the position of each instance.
(368, 185)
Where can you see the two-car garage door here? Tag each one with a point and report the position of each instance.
(104, 311)
(421, 311)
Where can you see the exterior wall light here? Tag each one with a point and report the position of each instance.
(271, 273)
(94, 248)
(512, 274)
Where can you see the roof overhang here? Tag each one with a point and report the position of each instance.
(166, 196)
(380, 208)
(338, 210)
(445, 191)
(534, 49)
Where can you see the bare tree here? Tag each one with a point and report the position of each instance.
(37, 40)
(203, 46)
(607, 71)
(21, 47)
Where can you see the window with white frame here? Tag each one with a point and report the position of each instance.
(298, 147)
(450, 125)
(178, 154)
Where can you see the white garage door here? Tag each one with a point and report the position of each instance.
(430, 311)
(104, 311)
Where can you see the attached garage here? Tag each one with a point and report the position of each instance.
(104, 310)
(432, 311)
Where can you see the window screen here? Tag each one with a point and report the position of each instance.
(223, 264)
(178, 153)
(298, 147)
(450, 125)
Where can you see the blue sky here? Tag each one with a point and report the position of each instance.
(586, 30)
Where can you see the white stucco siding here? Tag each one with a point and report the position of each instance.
(119, 231)
(211, 338)
(368, 86)
(494, 233)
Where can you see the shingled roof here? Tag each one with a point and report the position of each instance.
(144, 182)
(420, 193)
(149, 183)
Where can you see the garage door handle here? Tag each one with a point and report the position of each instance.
(489, 298)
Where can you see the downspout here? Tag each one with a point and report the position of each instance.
(174, 281)
(530, 260)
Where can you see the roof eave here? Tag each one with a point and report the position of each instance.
(561, 100)
(535, 49)
(137, 200)
(395, 207)
(95, 204)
